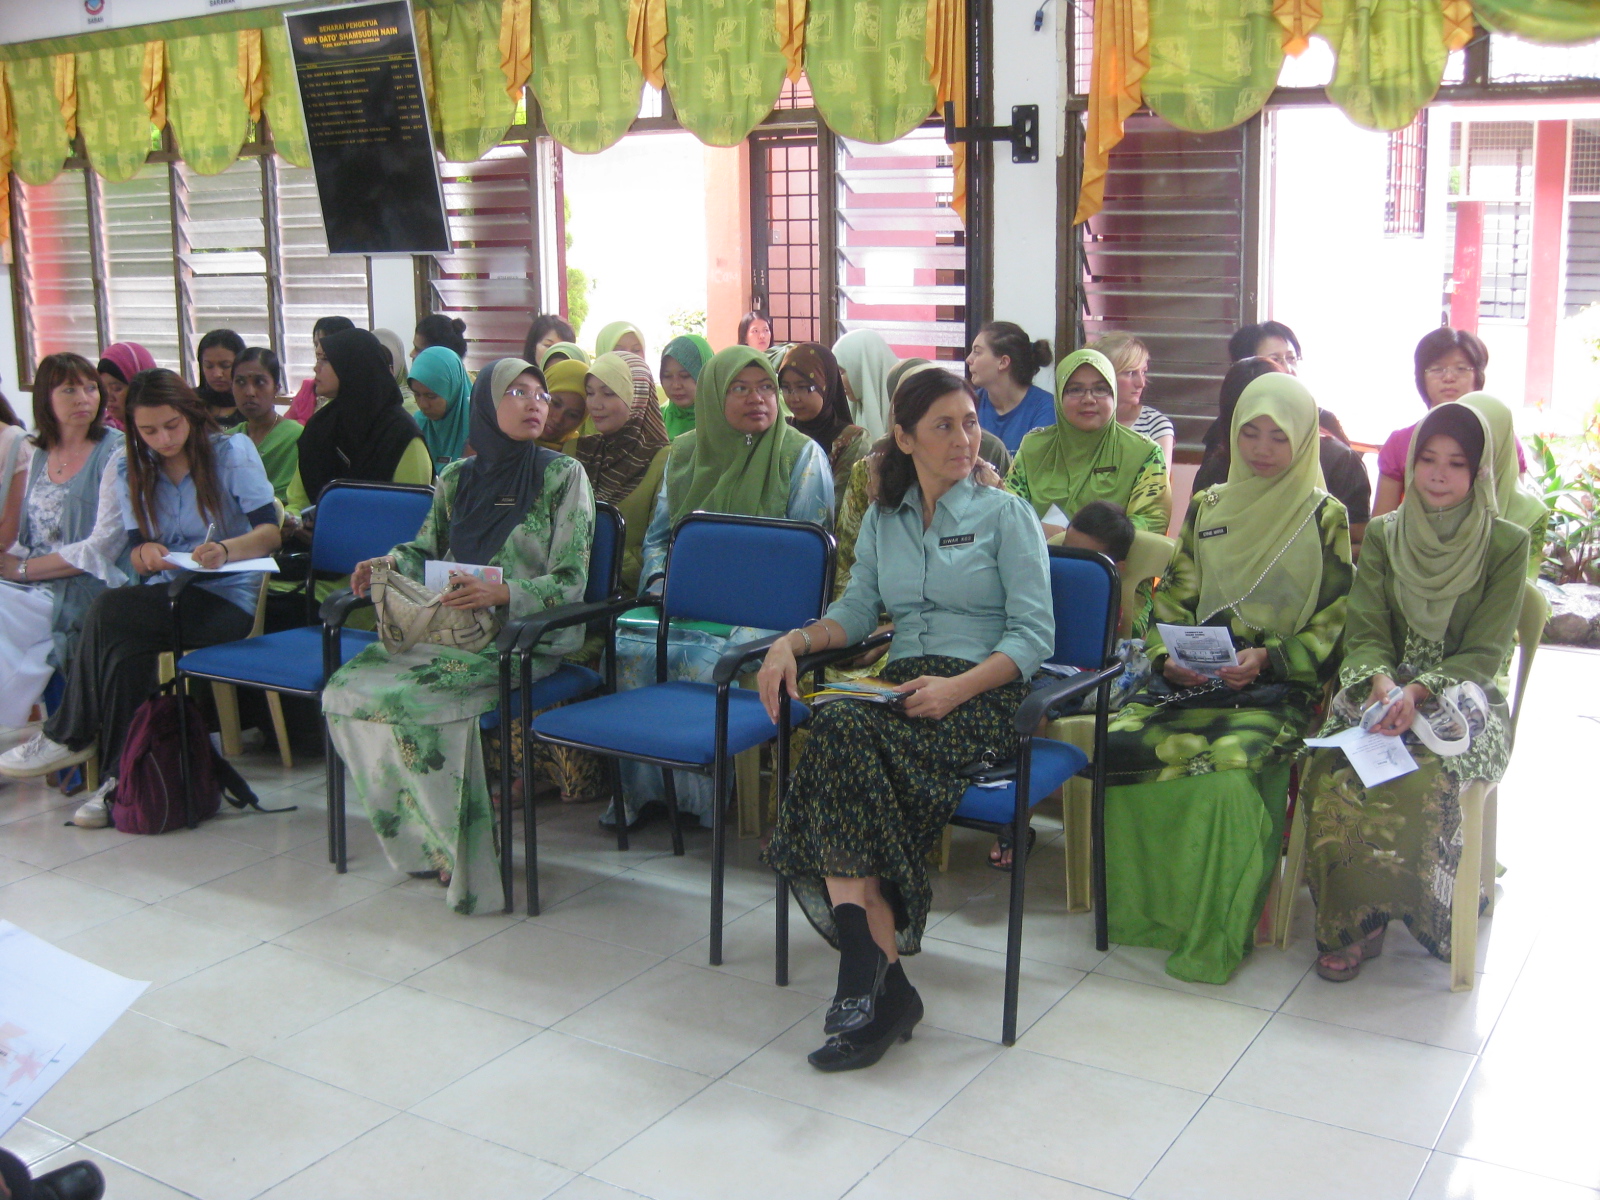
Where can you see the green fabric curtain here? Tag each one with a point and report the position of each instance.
(868, 67)
(111, 111)
(1213, 63)
(205, 101)
(1391, 58)
(471, 110)
(42, 144)
(725, 66)
(584, 74)
(1549, 22)
(281, 103)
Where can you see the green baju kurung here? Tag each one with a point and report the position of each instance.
(1391, 852)
(1195, 806)
(407, 724)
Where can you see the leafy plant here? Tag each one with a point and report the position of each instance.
(577, 297)
(687, 320)
(1569, 482)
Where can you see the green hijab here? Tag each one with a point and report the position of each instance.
(1436, 556)
(716, 468)
(692, 352)
(1068, 467)
(440, 370)
(1258, 545)
(1516, 505)
(567, 350)
(606, 342)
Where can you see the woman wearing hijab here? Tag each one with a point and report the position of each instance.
(562, 352)
(306, 401)
(569, 409)
(626, 455)
(681, 364)
(740, 457)
(620, 335)
(1514, 502)
(1086, 455)
(390, 341)
(363, 432)
(215, 354)
(1435, 603)
(118, 365)
(813, 390)
(1198, 767)
(407, 724)
(866, 360)
(444, 402)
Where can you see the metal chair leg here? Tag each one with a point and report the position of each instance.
(671, 788)
(530, 834)
(719, 841)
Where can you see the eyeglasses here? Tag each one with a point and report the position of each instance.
(799, 389)
(1287, 359)
(743, 391)
(1448, 372)
(518, 393)
(1076, 391)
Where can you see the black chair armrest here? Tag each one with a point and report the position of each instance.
(1036, 706)
(826, 658)
(177, 583)
(336, 609)
(733, 658)
(524, 633)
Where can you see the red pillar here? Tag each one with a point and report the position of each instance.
(1466, 275)
(1544, 266)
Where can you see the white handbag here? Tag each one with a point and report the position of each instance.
(409, 613)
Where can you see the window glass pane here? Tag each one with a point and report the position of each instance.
(58, 280)
(227, 250)
(143, 291)
(314, 284)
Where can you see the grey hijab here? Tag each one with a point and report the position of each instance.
(499, 485)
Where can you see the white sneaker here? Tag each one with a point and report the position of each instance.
(95, 812)
(39, 756)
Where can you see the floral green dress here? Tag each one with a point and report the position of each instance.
(1391, 852)
(407, 724)
(1148, 503)
(1196, 796)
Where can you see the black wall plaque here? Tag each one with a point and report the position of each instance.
(367, 123)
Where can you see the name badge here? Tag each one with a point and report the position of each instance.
(960, 539)
(505, 502)
(1103, 471)
(1218, 531)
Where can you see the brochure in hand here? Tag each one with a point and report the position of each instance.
(873, 691)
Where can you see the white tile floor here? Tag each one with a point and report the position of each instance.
(309, 1036)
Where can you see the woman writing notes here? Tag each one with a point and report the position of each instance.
(407, 724)
(961, 570)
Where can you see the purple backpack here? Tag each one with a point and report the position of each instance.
(149, 794)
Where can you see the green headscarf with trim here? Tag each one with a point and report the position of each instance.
(1066, 466)
(716, 468)
(606, 341)
(1515, 504)
(571, 352)
(692, 352)
(1258, 545)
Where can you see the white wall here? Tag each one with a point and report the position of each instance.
(394, 296)
(1026, 214)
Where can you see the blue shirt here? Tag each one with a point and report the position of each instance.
(975, 582)
(179, 525)
(1036, 410)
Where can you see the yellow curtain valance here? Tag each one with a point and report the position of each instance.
(1206, 65)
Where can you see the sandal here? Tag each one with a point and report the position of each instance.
(1344, 964)
(1002, 845)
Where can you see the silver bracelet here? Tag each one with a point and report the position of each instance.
(22, 570)
(807, 636)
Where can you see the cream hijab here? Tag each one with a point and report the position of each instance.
(1436, 556)
(1257, 541)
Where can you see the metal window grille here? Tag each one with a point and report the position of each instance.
(1507, 244)
(491, 280)
(1082, 18)
(786, 255)
(1583, 255)
(1405, 193)
(1499, 160)
(795, 95)
(1584, 175)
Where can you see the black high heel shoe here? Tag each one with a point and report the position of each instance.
(855, 1012)
(853, 1052)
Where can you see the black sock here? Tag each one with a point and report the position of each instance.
(859, 955)
(895, 982)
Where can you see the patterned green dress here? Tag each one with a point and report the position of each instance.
(1195, 806)
(1148, 504)
(1391, 852)
(407, 724)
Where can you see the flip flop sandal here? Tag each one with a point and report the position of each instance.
(1003, 844)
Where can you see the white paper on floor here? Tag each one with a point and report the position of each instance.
(53, 1007)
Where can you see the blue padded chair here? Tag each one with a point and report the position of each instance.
(569, 681)
(735, 570)
(356, 520)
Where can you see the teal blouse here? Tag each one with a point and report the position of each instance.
(975, 582)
